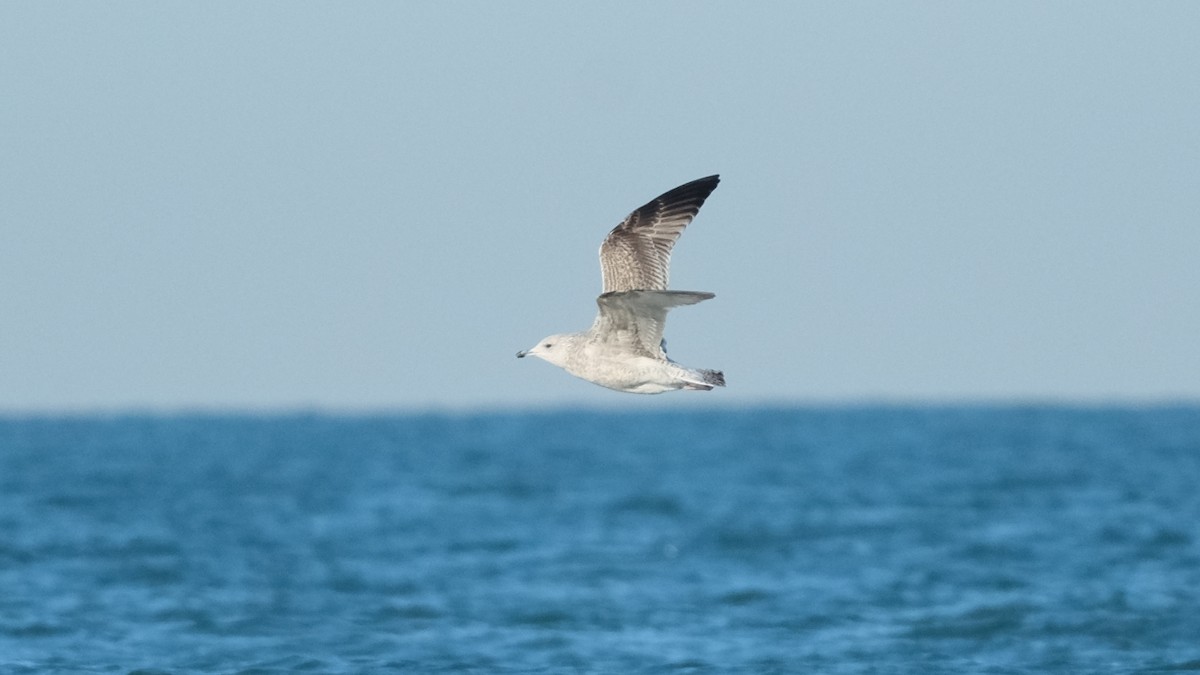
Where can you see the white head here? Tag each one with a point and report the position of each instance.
(554, 348)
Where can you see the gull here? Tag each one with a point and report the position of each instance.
(624, 349)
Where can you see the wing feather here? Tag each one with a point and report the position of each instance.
(634, 320)
(636, 255)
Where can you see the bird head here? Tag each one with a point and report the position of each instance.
(553, 348)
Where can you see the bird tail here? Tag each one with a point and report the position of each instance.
(705, 380)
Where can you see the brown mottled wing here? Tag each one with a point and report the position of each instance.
(636, 255)
(634, 320)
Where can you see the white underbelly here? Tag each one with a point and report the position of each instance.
(642, 375)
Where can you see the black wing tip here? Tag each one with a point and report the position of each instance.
(692, 194)
(703, 186)
(684, 200)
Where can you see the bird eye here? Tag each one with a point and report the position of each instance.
(548, 345)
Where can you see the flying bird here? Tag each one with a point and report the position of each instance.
(624, 349)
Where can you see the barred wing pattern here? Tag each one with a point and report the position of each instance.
(636, 255)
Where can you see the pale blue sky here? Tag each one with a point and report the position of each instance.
(375, 205)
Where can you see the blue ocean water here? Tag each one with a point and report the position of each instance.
(821, 540)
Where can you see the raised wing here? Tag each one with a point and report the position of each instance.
(636, 255)
(634, 320)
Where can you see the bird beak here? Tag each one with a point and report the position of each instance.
(521, 354)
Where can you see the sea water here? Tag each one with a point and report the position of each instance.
(812, 540)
